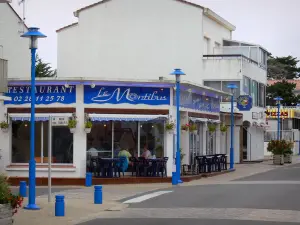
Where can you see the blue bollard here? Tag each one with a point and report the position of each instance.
(98, 195)
(88, 179)
(59, 205)
(174, 178)
(23, 189)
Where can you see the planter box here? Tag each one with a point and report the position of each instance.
(278, 159)
(87, 130)
(6, 214)
(288, 158)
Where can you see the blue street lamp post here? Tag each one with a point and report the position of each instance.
(278, 99)
(33, 34)
(232, 87)
(178, 73)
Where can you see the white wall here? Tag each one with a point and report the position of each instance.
(4, 143)
(111, 42)
(15, 49)
(215, 32)
(221, 69)
(254, 72)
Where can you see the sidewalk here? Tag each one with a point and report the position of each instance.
(79, 204)
(80, 207)
(242, 170)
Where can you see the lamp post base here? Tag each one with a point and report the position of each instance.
(32, 207)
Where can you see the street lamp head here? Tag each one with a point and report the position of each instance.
(232, 86)
(33, 33)
(177, 73)
(278, 99)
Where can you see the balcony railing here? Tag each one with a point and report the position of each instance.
(3, 75)
(253, 53)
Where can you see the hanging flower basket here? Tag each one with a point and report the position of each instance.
(72, 125)
(193, 129)
(4, 126)
(185, 127)
(212, 128)
(88, 127)
(170, 126)
(223, 128)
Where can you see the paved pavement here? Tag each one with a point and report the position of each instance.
(247, 196)
(264, 195)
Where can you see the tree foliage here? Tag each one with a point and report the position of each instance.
(285, 90)
(43, 69)
(283, 68)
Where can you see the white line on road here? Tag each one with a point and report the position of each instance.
(146, 197)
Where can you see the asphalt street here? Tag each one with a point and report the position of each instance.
(245, 201)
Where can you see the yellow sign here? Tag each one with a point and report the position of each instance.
(284, 113)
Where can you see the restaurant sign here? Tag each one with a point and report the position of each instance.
(44, 94)
(126, 95)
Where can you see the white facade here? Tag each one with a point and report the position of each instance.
(12, 47)
(77, 169)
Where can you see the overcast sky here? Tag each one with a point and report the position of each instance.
(273, 24)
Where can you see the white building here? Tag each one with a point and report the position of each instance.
(14, 61)
(132, 43)
(146, 48)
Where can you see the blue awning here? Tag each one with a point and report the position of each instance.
(126, 117)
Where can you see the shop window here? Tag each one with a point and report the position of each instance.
(152, 138)
(62, 143)
(126, 137)
(246, 85)
(261, 96)
(99, 141)
(21, 141)
(254, 93)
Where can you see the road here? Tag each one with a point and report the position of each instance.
(263, 199)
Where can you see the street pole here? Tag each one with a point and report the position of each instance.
(49, 157)
(232, 136)
(232, 87)
(178, 73)
(33, 33)
(278, 99)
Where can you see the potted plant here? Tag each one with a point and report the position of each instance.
(72, 125)
(193, 128)
(185, 127)
(170, 126)
(211, 127)
(88, 126)
(9, 203)
(4, 126)
(223, 128)
(277, 148)
(288, 152)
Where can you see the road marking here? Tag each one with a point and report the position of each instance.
(146, 197)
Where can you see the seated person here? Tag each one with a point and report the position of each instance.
(146, 154)
(124, 153)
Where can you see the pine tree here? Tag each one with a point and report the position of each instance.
(43, 69)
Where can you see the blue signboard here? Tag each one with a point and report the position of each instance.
(244, 103)
(44, 94)
(129, 95)
(198, 102)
